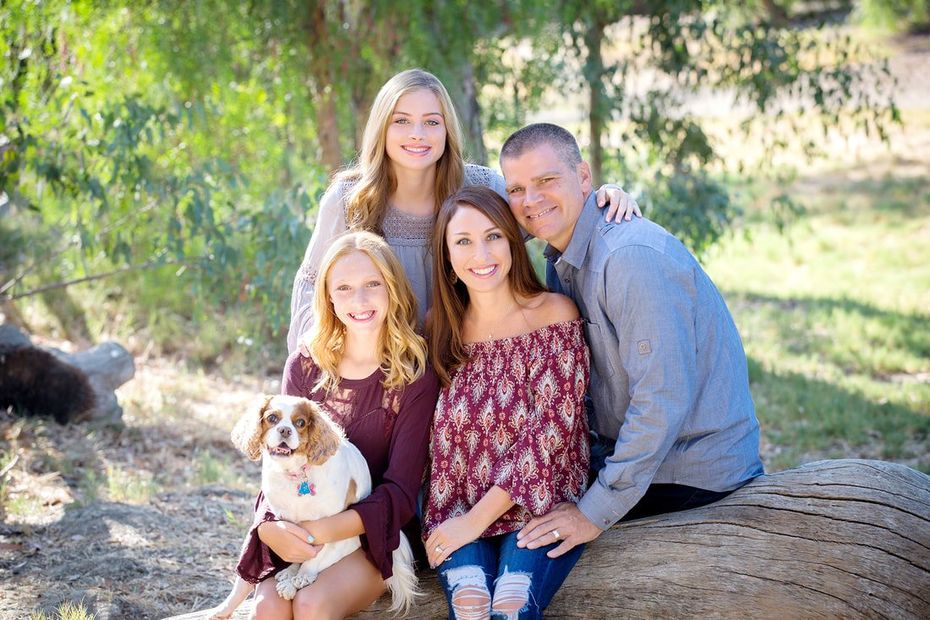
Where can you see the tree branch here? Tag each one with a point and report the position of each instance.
(99, 276)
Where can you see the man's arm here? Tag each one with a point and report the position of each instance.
(650, 304)
(650, 300)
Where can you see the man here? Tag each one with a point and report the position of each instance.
(669, 380)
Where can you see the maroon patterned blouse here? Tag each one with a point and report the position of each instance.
(514, 417)
(391, 430)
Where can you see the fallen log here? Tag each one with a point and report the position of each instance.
(843, 538)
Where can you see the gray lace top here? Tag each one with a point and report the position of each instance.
(408, 235)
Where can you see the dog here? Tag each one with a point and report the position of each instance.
(310, 471)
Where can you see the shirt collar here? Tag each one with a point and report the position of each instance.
(584, 229)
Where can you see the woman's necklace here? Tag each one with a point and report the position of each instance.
(499, 324)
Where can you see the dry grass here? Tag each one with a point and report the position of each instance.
(143, 521)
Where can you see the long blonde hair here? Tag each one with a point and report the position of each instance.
(402, 350)
(373, 176)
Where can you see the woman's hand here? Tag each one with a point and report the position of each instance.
(620, 205)
(288, 540)
(451, 535)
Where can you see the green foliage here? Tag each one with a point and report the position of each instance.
(896, 15)
(180, 149)
(105, 178)
(645, 64)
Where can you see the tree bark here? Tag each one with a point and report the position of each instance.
(471, 116)
(594, 75)
(836, 539)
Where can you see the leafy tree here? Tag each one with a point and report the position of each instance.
(643, 62)
(108, 172)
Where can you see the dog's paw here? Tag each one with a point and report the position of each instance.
(303, 579)
(286, 589)
(288, 573)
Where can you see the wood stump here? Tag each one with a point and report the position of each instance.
(838, 539)
(69, 387)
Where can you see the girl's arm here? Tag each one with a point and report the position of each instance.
(392, 503)
(330, 223)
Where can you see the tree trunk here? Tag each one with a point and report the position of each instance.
(327, 130)
(837, 539)
(598, 108)
(471, 116)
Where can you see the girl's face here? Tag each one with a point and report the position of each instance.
(416, 133)
(478, 250)
(358, 293)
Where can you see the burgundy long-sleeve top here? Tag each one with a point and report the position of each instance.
(391, 429)
(514, 417)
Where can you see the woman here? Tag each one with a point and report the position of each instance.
(410, 161)
(510, 435)
(367, 368)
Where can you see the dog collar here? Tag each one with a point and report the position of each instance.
(302, 477)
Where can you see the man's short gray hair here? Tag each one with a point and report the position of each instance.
(538, 134)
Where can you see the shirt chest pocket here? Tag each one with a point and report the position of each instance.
(605, 354)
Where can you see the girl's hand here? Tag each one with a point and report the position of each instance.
(288, 540)
(451, 535)
(620, 205)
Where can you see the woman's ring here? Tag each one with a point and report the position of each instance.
(556, 534)
(310, 538)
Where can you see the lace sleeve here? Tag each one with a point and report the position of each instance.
(480, 175)
(330, 223)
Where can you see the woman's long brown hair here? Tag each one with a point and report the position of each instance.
(450, 299)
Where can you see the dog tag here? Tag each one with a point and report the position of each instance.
(306, 488)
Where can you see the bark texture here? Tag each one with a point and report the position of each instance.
(831, 539)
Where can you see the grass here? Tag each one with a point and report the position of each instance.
(68, 610)
(834, 318)
(128, 486)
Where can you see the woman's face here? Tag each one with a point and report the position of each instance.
(478, 250)
(416, 133)
(358, 293)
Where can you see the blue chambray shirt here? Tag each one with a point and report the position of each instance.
(668, 372)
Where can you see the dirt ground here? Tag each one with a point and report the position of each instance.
(145, 521)
(170, 543)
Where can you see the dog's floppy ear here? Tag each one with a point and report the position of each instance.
(323, 437)
(247, 433)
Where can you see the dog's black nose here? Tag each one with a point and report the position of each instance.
(284, 431)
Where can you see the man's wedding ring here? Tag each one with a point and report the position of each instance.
(439, 549)
(556, 534)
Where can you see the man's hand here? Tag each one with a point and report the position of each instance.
(564, 522)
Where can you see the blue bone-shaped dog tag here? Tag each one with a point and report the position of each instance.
(306, 488)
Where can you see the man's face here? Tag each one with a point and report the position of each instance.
(546, 194)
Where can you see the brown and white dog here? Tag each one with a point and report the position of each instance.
(310, 471)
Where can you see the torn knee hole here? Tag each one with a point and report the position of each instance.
(471, 599)
(511, 593)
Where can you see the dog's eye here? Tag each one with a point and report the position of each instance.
(272, 419)
(300, 423)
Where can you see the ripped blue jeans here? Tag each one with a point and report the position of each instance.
(493, 577)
